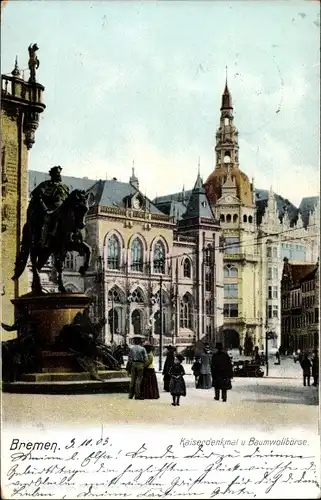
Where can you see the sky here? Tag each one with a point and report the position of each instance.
(142, 81)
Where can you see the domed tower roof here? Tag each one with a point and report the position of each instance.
(227, 158)
(213, 185)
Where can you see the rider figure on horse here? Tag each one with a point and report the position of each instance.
(47, 196)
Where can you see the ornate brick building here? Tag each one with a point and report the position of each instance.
(223, 244)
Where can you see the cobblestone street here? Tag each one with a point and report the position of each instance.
(277, 400)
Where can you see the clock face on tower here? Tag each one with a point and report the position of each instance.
(136, 203)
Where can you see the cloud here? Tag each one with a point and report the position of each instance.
(272, 163)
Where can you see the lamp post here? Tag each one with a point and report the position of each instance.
(160, 358)
(267, 342)
(113, 317)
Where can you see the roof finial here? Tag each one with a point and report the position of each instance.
(133, 168)
(199, 166)
(226, 76)
(16, 70)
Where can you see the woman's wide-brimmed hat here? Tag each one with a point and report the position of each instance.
(170, 348)
(180, 357)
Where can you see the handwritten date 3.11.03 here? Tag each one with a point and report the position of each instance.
(103, 468)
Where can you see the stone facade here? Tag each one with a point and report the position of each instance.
(300, 306)
(223, 242)
(142, 262)
(21, 104)
(260, 228)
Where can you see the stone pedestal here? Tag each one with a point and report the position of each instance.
(58, 371)
(52, 311)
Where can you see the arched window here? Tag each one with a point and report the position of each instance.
(250, 219)
(187, 268)
(113, 252)
(186, 315)
(228, 218)
(208, 307)
(159, 258)
(70, 261)
(137, 255)
(222, 218)
(244, 218)
(208, 255)
(113, 295)
(137, 296)
(235, 218)
(226, 121)
(230, 271)
(208, 281)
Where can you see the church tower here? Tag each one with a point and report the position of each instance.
(227, 148)
(227, 157)
(232, 199)
(21, 105)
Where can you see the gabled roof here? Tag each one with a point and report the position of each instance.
(307, 206)
(108, 193)
(198, 205)
(182, 196)
(36, 178)
(283, 206)
(300, 271)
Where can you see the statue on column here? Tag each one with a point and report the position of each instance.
(34, 62)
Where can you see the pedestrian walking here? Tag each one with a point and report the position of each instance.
(177, 385)
(196, 369)
(241, 350)
(137, 359)
(149, 387)
(169, 361)
(306, 369)
(205, 379)
(278, 358)
(315, 368)
(222, 372)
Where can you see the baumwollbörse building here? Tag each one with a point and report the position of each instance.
(218, 248)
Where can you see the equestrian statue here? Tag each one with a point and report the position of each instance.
(55, 218)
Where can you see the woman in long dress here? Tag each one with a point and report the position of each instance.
(149, 387)
(177, 386)
(205, 380)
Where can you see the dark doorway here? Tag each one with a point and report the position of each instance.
(136, 322)
(231, 339)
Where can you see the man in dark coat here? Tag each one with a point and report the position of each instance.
(315, 368)
(222, 372)
(169, 361)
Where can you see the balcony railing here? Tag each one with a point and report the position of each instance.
(12, 88)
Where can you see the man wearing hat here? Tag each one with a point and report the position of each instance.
(137, 358)
(45, 199)
(222, 372)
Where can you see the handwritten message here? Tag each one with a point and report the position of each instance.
(158, 464)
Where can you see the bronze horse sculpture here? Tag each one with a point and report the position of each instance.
(67, 221)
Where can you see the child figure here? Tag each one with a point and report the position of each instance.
(177, 386)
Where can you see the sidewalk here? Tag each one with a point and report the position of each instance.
(286, 370)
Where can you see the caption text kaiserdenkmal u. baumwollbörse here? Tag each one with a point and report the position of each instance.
(106, 467)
